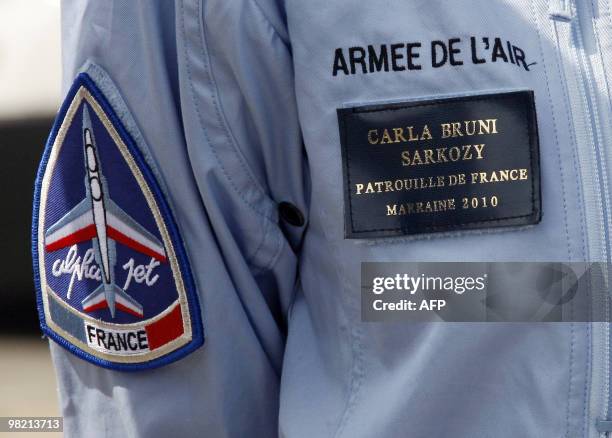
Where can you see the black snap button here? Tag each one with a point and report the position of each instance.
(291, 214)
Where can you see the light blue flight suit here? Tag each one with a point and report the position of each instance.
(237, 101)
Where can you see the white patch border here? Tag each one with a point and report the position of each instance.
(81, 95)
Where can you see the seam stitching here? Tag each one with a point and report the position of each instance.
(278, 33)
(563, 191)
(208, 71)
(568, 112)
(556, 133)
(207, 67)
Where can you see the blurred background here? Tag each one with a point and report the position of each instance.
(30, 74)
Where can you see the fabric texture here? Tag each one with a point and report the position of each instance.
(238, 100)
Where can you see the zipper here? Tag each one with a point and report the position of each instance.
(575, 29)
(592, 78)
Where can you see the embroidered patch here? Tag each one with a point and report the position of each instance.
(448, 164)
(113, 280)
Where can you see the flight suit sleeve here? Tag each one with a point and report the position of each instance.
(209, 86)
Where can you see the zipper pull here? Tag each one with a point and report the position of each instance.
(560, 10)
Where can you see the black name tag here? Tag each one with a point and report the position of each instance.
(440, 165)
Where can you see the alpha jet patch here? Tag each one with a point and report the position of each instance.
(113, 279)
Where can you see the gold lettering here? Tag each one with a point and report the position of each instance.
(457, 129)
(406, 158)
(386, 138)
(429, 156)
(371, 138)
(416, 158)
(446, 130)
(500, 175)
(374, 187)
(431, 206)
(467, 127)
(399, 134)
(442, 155)
(411, 136)
(488, 126)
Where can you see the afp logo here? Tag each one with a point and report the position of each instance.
(113, 279)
